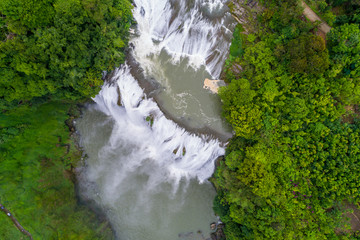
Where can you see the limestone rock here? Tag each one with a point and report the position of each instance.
(213, 85)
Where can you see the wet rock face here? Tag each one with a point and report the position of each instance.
(219, 233)
(142, 11)
(119, 98)
(244, 11)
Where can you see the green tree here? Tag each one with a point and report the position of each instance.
(344, 44)
(308, 54)
(293, 161)
(60, 48)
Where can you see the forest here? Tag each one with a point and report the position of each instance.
(292, 169)
(53, 54)
(290, 172)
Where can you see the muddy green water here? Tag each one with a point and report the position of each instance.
(136, 207)
(183, 97)
(150, 178)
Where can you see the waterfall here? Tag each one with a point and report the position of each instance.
(142, 169)
(140, 122)
(197, 30)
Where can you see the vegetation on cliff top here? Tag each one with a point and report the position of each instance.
(292, 169)
(59, 47)
(37, 176)
(52, 53)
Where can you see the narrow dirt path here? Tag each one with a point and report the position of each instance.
(354, 217)
(15, 221)
(312, 16)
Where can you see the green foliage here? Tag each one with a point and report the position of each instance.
(293, 161)
(150, 119)
(329, 18)
(308, 54)
(236, 49)
(25, 15)
(344, 43)
(51, 49)
(323, 10)
(36, 179)
(60, 47)
(283, 14)
(349, 11)
(245, 120)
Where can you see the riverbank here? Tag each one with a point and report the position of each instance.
(50, 61)
(39, 158)
(282, 175)
(151, 88)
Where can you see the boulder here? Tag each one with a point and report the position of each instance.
(213, 85)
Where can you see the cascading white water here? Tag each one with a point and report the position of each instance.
(142, 169)
(197, 30)
(142, 124)
(180, 44)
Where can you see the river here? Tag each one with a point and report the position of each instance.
(149, 154)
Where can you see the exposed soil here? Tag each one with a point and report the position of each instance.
(352, 112)
(354, 218)
(324, 28)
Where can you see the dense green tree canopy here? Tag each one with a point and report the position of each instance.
(308, 54)
(52, 52)
(58, 47)
(344, 42)
(293, 165)
(37, 176)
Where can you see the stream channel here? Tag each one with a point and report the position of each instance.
(151, 150)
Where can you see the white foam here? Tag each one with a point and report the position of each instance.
(213, 4)
(183, 30)
(195, 155)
